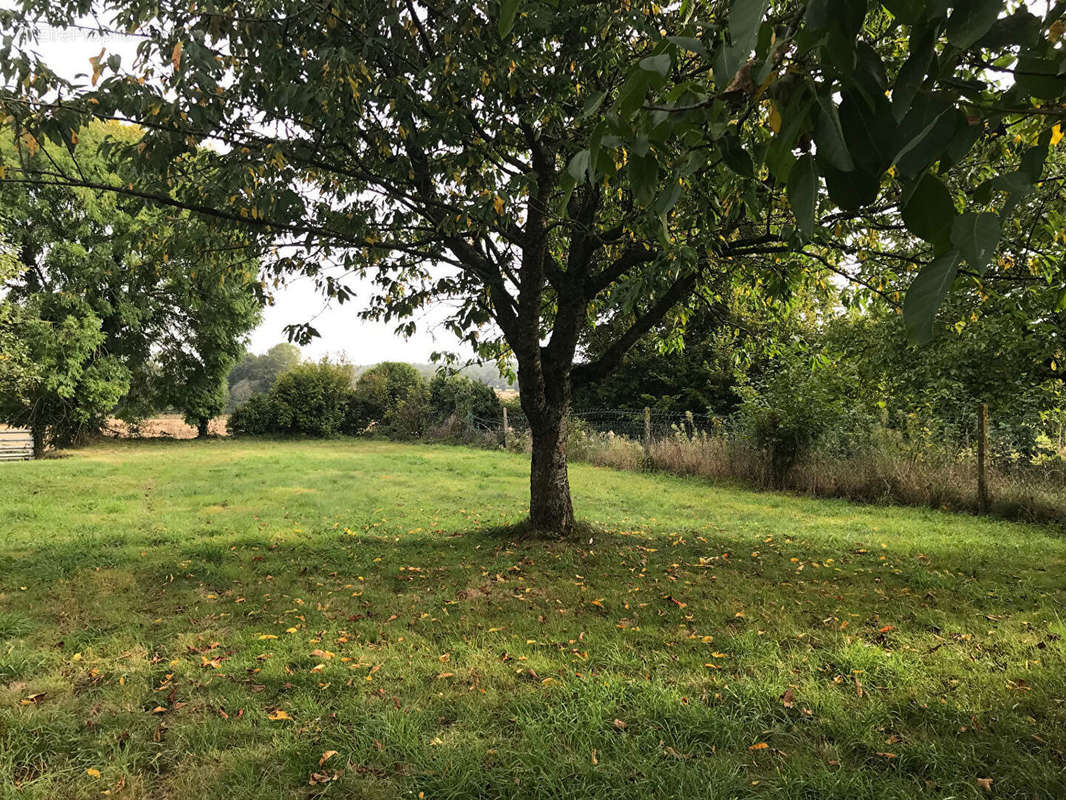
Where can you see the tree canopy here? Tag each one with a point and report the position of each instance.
(169, 297)
(545, 166)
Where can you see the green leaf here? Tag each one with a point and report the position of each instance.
(508, 12)
(850, 190)
(909, 12)
(972, 19)
(592, 105)
(829, 137)
(926, 294)
(644, 177)
(659, 64)
(633, 92)
(669, 197)
(976, 236)
(919, 150)
(914, 70)
(744, 20)
(818, 15)
(1040, 77)
(736, 157)
(929, 211)
(579, 166)
(803, 194)
(688, 43)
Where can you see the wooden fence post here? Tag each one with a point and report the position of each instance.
(506, 430)
(982, 453)
(647, 437)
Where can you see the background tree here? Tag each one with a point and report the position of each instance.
(174, 297)
(550, 166)
(255, 374)
(74, 385)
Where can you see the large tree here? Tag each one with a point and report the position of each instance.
(551, 164)
(173, 295)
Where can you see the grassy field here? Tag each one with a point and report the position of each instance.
(236, 620)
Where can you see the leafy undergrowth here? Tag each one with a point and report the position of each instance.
(247, 620)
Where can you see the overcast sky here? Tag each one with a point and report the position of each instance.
(343, 333)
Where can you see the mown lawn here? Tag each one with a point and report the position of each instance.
(352, 619)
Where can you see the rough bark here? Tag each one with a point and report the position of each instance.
(202, 428)
(550, 507)
(39, 440)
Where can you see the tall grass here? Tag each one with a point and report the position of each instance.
(886, 468)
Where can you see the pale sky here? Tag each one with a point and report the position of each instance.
(343, 333)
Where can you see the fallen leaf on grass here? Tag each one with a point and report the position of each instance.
(759, 746)
(788, 698)
(263, 636)
(888, 755)
(159, 710)
(619, 725)
(887, 628)
(34, 698)
(985, 783)
(326, 756)
(278, 715)
(92, 773)
(595, 760)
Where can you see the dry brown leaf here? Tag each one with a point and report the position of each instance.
(788, 698)
(326, 756)
(985, 783)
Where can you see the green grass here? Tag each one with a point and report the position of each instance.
(163, 600)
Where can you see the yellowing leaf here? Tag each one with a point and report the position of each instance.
(278, 715)
(92, 772)
(267, 636)
(497, 203)
(175, 56)
(759, 746)
(1056, 134)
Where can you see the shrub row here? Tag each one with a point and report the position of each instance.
(324, 399)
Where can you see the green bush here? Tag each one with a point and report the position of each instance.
(390, 398)
(460, 397)
(792, 408)
(312, 399)
(308, 400)
(254, 417)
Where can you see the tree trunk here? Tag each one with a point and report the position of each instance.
(550, 508)
(38, 433)
(201, 428)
